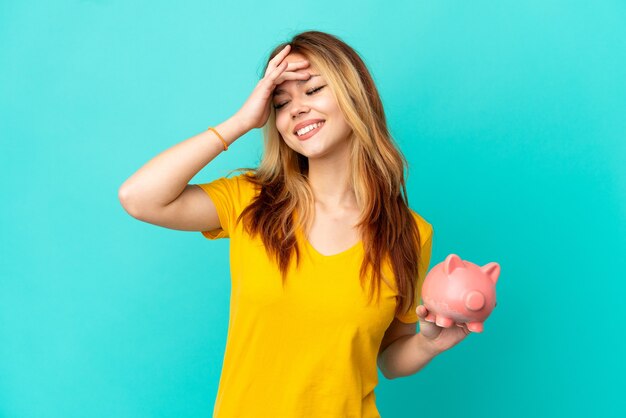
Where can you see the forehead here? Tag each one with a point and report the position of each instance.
(295, 57)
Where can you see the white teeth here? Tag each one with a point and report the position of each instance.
(309, 128)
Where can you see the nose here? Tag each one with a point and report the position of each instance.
(474, 300)
(297, 107)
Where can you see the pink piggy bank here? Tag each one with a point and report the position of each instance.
(459, 291)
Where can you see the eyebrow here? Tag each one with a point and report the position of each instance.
(299, 82)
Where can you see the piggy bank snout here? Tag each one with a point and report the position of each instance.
(474, 300)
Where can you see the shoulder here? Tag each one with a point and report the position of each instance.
(239, 183)
(426, 230)
(235, 190)
(242, 177)
(244, 187)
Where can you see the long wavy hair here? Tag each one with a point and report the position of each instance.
(387, 228)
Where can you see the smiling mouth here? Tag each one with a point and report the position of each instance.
(312, 132)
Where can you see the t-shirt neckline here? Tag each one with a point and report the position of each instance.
(315, 253)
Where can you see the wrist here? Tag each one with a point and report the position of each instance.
(429, 346)
(241, 123)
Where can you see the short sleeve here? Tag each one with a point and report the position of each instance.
(230, 196)
(426, 236)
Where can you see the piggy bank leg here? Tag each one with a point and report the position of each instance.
(475, 326)
(443, 321)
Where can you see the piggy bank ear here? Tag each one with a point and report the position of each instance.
(452, 262)
(491, 270)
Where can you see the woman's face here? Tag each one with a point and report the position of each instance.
(298, 101)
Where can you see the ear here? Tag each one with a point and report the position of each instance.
(491, 270)
(452, 262)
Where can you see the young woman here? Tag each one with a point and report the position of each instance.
(327, 259)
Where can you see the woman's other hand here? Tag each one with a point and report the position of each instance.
(440, 338)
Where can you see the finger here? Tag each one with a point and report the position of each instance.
(463, 326)
(424, 314)
(282, 54)
(279, 75)
(291, 66)
(293, 72)
(276, 61)
(289, 75)
(298, 64)
(273, 75)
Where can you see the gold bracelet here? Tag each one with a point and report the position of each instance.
(220, 137)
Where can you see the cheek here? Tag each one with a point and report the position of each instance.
(329, 106)
(282, 124)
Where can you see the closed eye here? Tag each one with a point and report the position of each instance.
(310, 92)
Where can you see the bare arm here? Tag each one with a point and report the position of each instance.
(159, 192)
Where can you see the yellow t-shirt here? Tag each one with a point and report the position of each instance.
(309, 350)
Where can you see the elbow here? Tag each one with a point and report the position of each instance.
(382, 369)
(123, 195)
(387, 376)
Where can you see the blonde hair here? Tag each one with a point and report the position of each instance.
(387, 228)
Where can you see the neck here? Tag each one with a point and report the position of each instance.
(329, 177)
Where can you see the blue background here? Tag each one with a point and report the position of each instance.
(510, 113)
